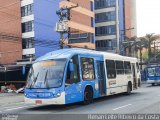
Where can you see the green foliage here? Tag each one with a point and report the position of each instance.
(137, 44)
(148, 40)
(145, 56)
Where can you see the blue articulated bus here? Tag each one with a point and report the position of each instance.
(74, 75)
(152, 74)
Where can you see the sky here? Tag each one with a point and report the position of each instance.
(148, 17)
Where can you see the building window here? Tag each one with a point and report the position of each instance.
(105, 45)
(80, 38)
(27, 10)
(106, 30)
(111, 69)
(104, 3)
(28, 43)
(27, 26)
(105, 17)
(28, 56)
(87, 65)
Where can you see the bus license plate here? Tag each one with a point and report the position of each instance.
(38, 101)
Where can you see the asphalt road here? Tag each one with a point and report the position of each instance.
(145, 100)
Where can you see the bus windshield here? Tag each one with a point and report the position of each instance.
(154, 71)
(46, 74)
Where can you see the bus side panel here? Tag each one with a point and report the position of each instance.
(153, 80)
(74, 93)
(93, 83)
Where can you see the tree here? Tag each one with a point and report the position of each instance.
(148, 40)
(128, 44)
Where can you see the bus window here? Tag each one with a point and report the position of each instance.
(73, 76)
(127, 67)
(158, 71)
(119, 67)
(87, 65)
(151, 72)
(111, 71)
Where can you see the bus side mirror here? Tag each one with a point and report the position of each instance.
(71, 67)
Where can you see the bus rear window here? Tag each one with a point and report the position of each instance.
(157, 71)
(151, 72)
(154, 71)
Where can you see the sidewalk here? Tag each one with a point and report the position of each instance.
(10, 98)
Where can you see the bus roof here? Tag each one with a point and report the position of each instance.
(69, 52)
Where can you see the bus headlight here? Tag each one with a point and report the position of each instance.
(58, 94)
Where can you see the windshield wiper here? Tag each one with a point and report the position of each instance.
(46, 81)
(34, 81)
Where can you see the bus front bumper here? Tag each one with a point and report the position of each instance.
(50, 101)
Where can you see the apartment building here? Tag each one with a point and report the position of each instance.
(10, 32)
(38, 21)
(115, 21)
(80, 23)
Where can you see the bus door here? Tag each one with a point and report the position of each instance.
(73, 89)
(134, 75)
(101, 78)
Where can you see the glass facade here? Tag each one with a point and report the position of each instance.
(99, 4)
(80, 38)
(105, 17)
(106, 30)
(104, 45)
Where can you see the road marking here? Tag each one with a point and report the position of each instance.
(20, 107)
(13, 106)
(122, 107)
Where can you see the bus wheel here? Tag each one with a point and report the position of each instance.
(88, 96)
(139, 83)
(153, 84)
(129, 88)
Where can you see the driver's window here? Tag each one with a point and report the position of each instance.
(73, 76)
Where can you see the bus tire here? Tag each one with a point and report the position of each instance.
(129, 88)
(139, 83)
(88, 95)
(153, 84)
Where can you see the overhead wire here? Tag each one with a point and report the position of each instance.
(37, 41)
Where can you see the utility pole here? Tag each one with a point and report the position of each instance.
(61, 40)
(155, 50)
(117, 27)
(140, 56)
(61, 27)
